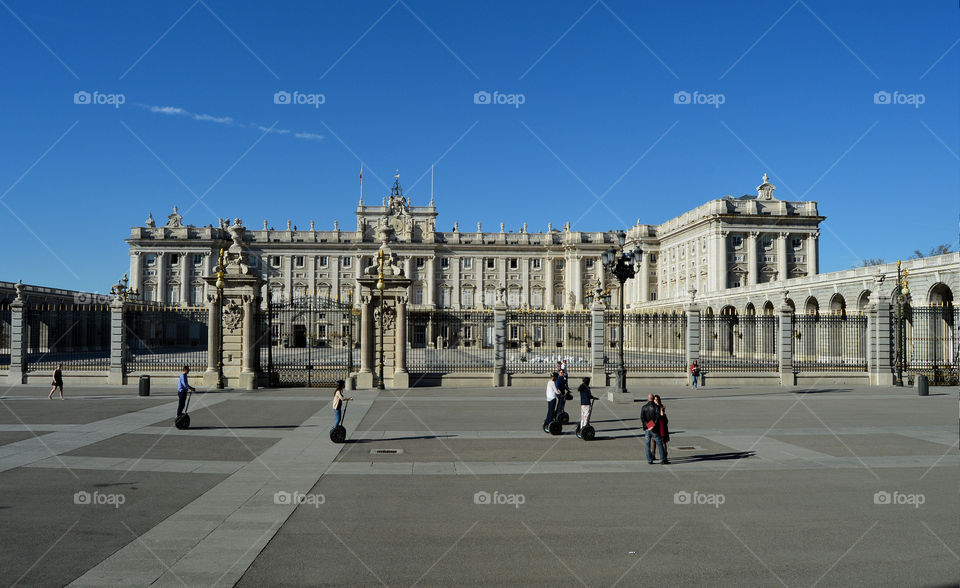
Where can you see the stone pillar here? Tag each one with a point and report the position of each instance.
(161, 278)
(752, 266)
(578, 281)
(365, 378)
(431, 292)
(184, 281)
(644, 278)
(456, 297)
(782, 256)
(525, 278)
(692, 337)
(598, 373)
(499, 344)
(813, 261)
(401, 378)
(118, 344)
(19, 338)
(136, 280)
(213, 333)
(548, 288)
(880, 358)
(785, 351)
(250, 340)
(720, 259)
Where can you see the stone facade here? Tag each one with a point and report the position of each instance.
(727, 243)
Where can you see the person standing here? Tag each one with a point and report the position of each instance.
(694, 374)
(586, 406)
(338, 401)
(650, 416)
(183, 385)
(57, 382)
(662, 426)
(563, 389)
(552, 393)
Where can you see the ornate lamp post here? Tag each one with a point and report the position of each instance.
(380, 287)
(219, 285)
(623, 265)
(902, 297)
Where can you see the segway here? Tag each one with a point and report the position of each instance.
(182, 422)
(588, 433)
(338, 434)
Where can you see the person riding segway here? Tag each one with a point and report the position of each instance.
(563, 387)
(585, 430)
(184, 392)
(338, 434)
(552, 394)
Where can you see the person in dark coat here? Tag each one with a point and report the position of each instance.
(585, 405)
(650, 417)
(662, 426)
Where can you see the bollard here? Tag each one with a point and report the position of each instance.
(144, 385)
(923, 386)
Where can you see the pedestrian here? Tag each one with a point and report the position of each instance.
(662, 427)
(563, 391)
(552, 394)
(183, 385)
(695, 374)
(585, 405)
(650, 416)
(338, 401)
(57, 382)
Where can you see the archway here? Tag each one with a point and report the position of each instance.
(940, 293)
(863, 300)
(768, 308)
(838, 305)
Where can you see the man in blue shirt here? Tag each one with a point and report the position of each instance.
(182, 386)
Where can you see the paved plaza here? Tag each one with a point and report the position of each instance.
(829, 486)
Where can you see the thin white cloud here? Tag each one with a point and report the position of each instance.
(229, 121)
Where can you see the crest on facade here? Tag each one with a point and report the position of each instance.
(232, 315)
(765, 190)
(387, 314)
(174, 221)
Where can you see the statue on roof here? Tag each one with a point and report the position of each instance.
(765, 190)
(174, 221)
(150, 222)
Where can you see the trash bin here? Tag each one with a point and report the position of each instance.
(923, 386)
(144, 385)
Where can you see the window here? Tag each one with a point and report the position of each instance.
(298, 260)
(468, 263)
(514, 332)
(444, 262)
(489, 297)
(444, 298)
(559, 264)
(468, 332)
(468, 298)
(346, 261)
(738, 241)
(300, 291)
(653, 258)
(589, 262)
(537, 333)
(653, 296)
(322, 261)
(197, 259)
(174, 258)
(536, 264)
(420, 262)
(275, 260)
(491, 263)
(735, 284)
(197, 298)
(418, 295)
(797, 243)
(558, 298)
(151, 259)
(173, 293)
(254, 261)
(513, 298)
(514, 263)
(536, 299)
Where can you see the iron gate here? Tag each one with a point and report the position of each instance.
(309, 341)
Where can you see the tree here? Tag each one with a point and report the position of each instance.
(935, 250)
(873, 261)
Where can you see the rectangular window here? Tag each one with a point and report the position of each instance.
(346, 261)
(420, 262)
(298, 260)
(738, 241)
(653, 296)
(468, 298)
(653, 258)
(175, 259)
(151, 259)
(536, 264)
(514, 263)
(197, 259)
(797, 243)
(444, 262)
(589, 262)
(514, 332)
(491, 263)
(468, 263)
(418, 295)
(559, 264)
(275, 260)
(322, 261)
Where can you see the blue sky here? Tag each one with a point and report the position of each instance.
(598, 140)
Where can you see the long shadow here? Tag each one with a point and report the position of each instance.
(285, 427)
(359, 441)
(615, 420)
(823, 391)
(710, 457)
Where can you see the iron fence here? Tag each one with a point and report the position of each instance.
(76, 335)
(537, 339)
(835, 342)
(932, 348)
(446, 341)
(165, 337)
(309, 341)
(733, 343)
(5, 321)
(653, 342)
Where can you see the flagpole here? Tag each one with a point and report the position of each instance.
(361, 182)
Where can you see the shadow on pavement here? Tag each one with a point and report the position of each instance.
(711, 457)
(351, 441)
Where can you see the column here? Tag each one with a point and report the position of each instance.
(548, 302)
(161, 277)
(880, 359)
(478, 295)
(499, 344)
(287, 266)
(644, 278)
(333, 262)
(401, 379)
(525, 277)
(135, 277)
(357, 273)
(578, 281)
(19, 338)
(213, 330)
(431, 300)
(813, 254)
(365, 378)
(692, 335)
(184, 281)
(118, 344)
(457, 294)
(785, 355)
(782, 256)
(598, 375)
(752, 267)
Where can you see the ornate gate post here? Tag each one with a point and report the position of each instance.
(401, 378)
(19, 337)
(499, 341)
(117, 373)
(785, 355)
(692, 338)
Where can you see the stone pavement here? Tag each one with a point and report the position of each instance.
(768, 486)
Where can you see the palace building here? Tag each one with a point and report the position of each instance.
(726, 243)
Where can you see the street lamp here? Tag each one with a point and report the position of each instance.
(623, 265)
(380, 286)
(219, 285)
(902, 296)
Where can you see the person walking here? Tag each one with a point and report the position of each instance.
(57, 382)
(695, 374)
(338, 401)
(183, 385)
(585, 402)
(552, 394)
(662, 427)
(650, 416)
